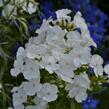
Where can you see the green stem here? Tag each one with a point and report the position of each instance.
(60, 104)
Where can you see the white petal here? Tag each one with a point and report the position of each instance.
(98, 70)
(106, 69)
(96, 60)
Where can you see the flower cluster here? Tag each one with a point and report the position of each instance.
(95, 18)
(13, 7)
(62, 49)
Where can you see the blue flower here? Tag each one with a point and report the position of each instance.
(47, 10)
(33, 25)
(90, 103)
(97, 34)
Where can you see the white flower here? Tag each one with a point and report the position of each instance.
(31, 87)
(19, 96)
(31, 70)
(48, 92)
(19, 63)
(79, 94)
(18, 68)
(30, 7)
(8, 10)
(106, 69)
(50, 63)
(44, 27)
(96, 63)
(40, 39)
(55, 35)
(80, 23)
(81, 55)
(21, 53)
(74, 38)
(63, 14)
(98, 70)
(21, 106)
(35, 51)
(96, 60)
(79, 87)
(66, 68)
(82, 80)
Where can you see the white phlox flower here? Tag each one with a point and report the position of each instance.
(19, 96)
(31, 87)
(63, 14)
(9, 10)
(66, 68)
(30, 7)
(80, 23)
(31, 70)
(78, 88)
(34, 51)
(96, 63)
(81, 55)
(48, 92)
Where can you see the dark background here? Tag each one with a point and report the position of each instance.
(103, 5)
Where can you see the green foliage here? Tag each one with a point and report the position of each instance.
(12, 31)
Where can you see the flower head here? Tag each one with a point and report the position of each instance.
(48, 92)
